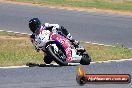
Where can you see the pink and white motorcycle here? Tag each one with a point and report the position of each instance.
(59, 49)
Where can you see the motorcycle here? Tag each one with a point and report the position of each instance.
(59, 49)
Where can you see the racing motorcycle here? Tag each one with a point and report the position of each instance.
(59, 49)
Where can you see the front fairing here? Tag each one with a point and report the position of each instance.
(60, 39)
(70, 53)
(64, 42)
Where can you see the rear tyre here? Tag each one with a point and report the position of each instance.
(86, 59)
(59, 57)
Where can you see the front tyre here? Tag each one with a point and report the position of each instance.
(58, 56)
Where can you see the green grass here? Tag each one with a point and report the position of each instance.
(16, 49)
(104, 53)
(104, 4)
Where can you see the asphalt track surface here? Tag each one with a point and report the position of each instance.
(85, 26)
(61, 77)
(95, 27)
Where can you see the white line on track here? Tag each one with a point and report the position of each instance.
(30, 34)
(100, 44)
(112, 61)
(23, 66)
(15, 32)
(109, 61)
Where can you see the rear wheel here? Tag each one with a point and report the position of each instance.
(58, 56)
(86, 59)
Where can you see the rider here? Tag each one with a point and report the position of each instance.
(35, 26)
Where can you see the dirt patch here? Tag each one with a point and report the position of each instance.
(109, 11)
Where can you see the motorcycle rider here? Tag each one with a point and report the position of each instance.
(36, 26)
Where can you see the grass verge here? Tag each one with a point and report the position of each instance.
(103, 4)
(16, 49)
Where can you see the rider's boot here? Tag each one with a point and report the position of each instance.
(80, 49)
(75, 43)
(77, 46)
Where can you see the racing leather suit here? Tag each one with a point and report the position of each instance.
(53, 28)
(57, 29)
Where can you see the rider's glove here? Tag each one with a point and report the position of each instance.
(32, 37)
(37, 49)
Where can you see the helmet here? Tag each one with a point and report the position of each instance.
(34, 24)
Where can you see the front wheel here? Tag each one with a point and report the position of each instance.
(58, 56)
